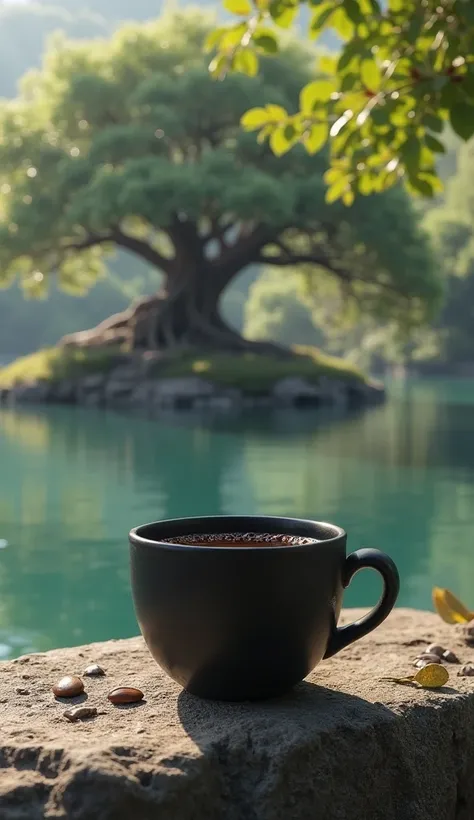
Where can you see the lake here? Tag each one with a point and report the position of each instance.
(73, 481)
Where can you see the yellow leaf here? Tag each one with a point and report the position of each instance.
(348, 197)
(253, 119)
(241, 7)
(316, 137)
(432, 676)
(276, 112)
(246, 61)
(314, 93)
(449, 608)
(279, 142)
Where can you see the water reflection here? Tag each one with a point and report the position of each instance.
(73, 481)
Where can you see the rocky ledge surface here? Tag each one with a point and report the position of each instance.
(345, 744)
(125, 386)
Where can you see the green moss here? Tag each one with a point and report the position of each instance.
(251, 372)
(57, 363)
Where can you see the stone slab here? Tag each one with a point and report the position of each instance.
(345, 745)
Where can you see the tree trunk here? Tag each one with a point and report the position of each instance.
(184, 315)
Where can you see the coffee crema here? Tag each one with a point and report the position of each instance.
(240, 539)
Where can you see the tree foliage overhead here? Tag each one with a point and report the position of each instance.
(406, 68)
(128, 143)
(451, 229)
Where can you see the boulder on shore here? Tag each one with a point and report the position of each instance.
(345, 745)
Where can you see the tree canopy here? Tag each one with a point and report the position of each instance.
(405, 69)
(128, 143)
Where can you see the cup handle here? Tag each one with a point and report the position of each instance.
(345, 635)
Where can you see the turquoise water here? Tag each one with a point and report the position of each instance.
(73, 481)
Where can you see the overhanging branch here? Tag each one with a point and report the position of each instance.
(286, 258)
(141, 248)
(123, 240)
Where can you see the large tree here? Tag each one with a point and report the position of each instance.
(129, 144)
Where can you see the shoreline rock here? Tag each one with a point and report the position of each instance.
(126, 387)
(344, 745)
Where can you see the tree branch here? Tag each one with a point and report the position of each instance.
(287, 258)
(141, 248)
(244, 251)
(90, 241)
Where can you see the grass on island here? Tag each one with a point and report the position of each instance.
(251, 372)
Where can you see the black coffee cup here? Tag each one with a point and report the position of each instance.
(248, 622)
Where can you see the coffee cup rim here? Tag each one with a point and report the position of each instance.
(192, 525)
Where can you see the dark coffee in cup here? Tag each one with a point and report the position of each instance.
(244, 607)
(240, 539)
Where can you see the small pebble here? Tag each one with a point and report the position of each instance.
(125, 694)
(450, 657)
(435, 649)
(94, 670)
(21, 691)
(467, 670)
(469, 633)
(80, 713)
(68, 687)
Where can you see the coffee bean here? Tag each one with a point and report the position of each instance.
(450, 657)
(467, 670)
(125, 694)
(94, 670)
(435, 649)
(428, 657)
(80, 713)
(68, 687)
(420, 663)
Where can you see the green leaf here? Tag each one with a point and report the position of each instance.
(255, 118)
(370, 7)
(279, 142)
(327, 65)
(365, 184)
(218, 65)
(266, 41)
(241, 7)
(349, 81)
(410, 152)
(461, 117)
(213, 38)
(353, 11)
(232, 37)
(433, 180)
(370, 74)
(246, 62)
(433, 123)
(434, 145)
(316, 138)
(318, 92)
(342, 24)
(419, 186)
(283, 12)
(320, 18)
(350, 51)
(336, 190)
